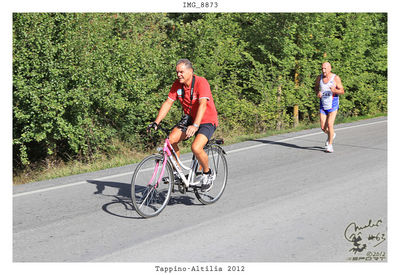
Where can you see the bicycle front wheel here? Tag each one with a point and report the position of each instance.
(151, 186)
(219, 166)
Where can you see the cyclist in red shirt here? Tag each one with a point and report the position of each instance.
(200, 115)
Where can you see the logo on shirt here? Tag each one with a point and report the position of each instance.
(179, 92)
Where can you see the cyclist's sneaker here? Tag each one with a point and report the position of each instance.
(329, 148)
(198, 178)
(327, 140)
(207, 181)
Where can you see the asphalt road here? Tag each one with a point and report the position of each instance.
(286, 201)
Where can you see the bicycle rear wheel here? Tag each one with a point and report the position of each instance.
(150, 196)
(219, 167)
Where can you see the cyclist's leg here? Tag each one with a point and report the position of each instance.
(203, 135)
(175, 137)
(198, 150)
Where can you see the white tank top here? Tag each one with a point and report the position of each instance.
(325, 89)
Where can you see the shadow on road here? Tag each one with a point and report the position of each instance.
(124, 189)
(290, 145)
(121, 203)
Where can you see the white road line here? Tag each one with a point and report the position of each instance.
(66, 185)
(229, 152)
(302, 136)
(75, 183)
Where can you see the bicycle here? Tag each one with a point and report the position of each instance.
(151, 189)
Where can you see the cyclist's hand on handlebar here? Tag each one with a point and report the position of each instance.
(152, 125)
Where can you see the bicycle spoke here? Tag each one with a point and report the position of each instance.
(218, 164)
(149, 192)
(215, 165)
(149, 197)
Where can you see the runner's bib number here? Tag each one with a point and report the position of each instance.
(327, 99)
(327, 95)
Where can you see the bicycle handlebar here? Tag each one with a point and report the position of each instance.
(159, 127)
(167, 132)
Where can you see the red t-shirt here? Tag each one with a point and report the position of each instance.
(201, 90)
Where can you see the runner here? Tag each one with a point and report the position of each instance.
(328, 87)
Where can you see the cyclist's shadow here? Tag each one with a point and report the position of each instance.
(121, 203)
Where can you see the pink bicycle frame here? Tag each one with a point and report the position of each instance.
(167, 150)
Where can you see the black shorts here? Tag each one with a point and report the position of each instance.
(206, 129)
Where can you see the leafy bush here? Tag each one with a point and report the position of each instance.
(82, 80)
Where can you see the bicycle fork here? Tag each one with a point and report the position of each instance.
(155, 173)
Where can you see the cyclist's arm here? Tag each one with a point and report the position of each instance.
(191, 130)
(164, 110)
(200, 111)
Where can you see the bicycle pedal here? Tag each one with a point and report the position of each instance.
(182, 188)
(177, 181)
(195, 184)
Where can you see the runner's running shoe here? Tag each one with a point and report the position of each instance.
(327, 140)
(329, 148)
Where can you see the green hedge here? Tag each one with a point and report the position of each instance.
(81, 80)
